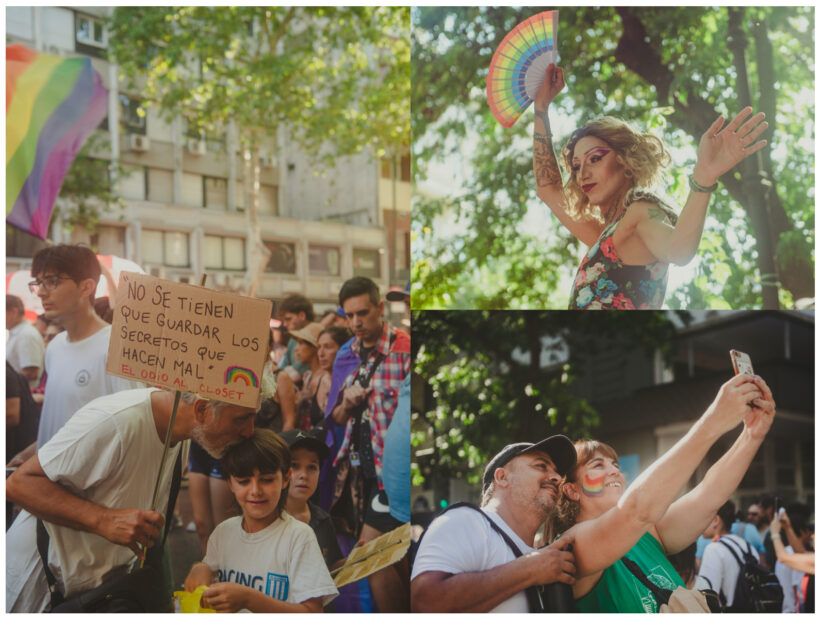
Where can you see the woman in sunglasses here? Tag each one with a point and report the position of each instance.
(606, 202)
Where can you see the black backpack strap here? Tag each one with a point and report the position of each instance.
(152, 556)
(746, 554)
(661, 595)
(533, 597)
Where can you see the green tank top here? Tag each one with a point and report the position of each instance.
(619, 591)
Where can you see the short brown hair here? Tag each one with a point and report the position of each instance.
(296, 303)
(264, 451)
(73, 261)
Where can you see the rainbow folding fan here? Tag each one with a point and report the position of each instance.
(519, 66)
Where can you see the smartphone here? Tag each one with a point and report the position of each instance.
(741, 362)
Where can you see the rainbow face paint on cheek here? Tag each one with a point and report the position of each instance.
(592, 487)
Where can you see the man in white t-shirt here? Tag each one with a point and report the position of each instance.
(65, 279)
(24, 347)
(464, 565)
(93, 483)
(719, 570)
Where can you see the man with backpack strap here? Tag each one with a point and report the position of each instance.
(467, 560)
(731, 566)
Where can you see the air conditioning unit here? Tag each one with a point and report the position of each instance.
(139, 143)
(196, 147)
(267, 159)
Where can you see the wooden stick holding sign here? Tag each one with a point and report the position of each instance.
(188, 338)
(373, 556)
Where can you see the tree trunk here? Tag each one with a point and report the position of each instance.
(258, 253)
(753, 187)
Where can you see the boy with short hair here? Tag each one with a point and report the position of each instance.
(306, 454)
(264, 560)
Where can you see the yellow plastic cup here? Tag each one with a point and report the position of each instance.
(190, 602)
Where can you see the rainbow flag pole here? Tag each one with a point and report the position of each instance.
(52, 106)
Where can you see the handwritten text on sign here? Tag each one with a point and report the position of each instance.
(189, 338)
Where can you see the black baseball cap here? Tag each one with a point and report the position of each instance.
(558, 447)
(300, 438)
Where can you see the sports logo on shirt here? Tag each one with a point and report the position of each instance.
(277, 586)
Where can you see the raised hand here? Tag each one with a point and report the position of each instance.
(552, 85)
(760, 417)
(732, 404)
(721, 148)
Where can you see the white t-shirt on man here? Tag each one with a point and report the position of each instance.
(76, 375)
(462, 541)
(284, 560)
(108, 453)
(25, 348)
(720, 568)
(789, 579)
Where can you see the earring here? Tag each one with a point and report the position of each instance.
(628, 173)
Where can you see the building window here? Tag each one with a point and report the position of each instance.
(90, 31)
(404, 168)
(132, 116)
(160, 185)
(214, 139)
(192, 188)
(367, 263)
(133, 183)
(109, 240)
(216, 192)
(164, 247)
(21, 244)
(323, 260)
(282, 258)
(224, 253)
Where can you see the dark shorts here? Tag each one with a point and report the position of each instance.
(377, 513)
(199, 461)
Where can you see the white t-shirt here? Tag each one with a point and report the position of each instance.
(720, 567)
(462, 541)
(108, 453)
(25, 348)
(788, 578)
(76, 375)
(284, 560)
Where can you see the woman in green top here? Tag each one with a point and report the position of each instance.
(645, 522)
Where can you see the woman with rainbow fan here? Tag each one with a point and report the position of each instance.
(606, 202)
(645, 523)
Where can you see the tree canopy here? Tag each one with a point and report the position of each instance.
(671, 71)
(497, 377)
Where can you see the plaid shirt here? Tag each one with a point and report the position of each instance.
(385, 394)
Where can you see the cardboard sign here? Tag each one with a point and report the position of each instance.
(189, 338)
(373, 556)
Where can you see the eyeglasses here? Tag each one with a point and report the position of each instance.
(50, 283)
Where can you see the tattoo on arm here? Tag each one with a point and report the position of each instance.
(657, 215)
(544, 163)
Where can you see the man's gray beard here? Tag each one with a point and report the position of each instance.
(198, 436)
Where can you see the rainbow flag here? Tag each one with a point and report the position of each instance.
(52, 105)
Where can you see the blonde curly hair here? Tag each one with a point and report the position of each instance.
(643, 155)
(565, 514)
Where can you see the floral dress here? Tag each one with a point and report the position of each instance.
(605, 282)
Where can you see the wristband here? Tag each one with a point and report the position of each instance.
(700, 188)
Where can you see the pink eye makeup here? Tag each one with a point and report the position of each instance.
(595, 154)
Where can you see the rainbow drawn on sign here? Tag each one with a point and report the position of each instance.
(241, 374)
(519, 66)
(592, 486)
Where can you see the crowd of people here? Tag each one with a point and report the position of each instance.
(280, 494)
(558, 529)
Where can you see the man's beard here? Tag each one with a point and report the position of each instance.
(538, 501)
(198, 436)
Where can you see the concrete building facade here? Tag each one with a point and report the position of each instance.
(185, 211)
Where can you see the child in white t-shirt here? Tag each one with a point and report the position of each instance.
(264, 560)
